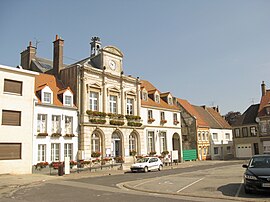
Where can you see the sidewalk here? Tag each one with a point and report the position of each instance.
(9, 183)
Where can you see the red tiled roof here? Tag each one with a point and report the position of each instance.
(218, 118)
(265, 101)
(151, 89)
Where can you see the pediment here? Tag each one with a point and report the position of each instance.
(113, 50)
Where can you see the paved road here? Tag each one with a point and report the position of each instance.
(207, 181)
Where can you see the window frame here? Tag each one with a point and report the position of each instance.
(16, 89)
(11, 118)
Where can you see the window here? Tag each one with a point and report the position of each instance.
(42, 123)
(263, 126)
(237, 132)
(55, 152)
(68, 100)
(150, 141)
(203, 136)
(68, 125)
(144, 96)
(215, 150)
(215, 136)
(11, 118)
(206, 136)
(175, 117)
(9, 151)
(227, 136)
(163, 141)
(157, 98)
(162, 116)
(229, 150)
(253, 131)
(68, 150)
(93, 99)
(129, 106)
(41, 153)
(56, 126)
(47, 98)
(150, 114)
(11, 86)
(170, 101)
(199, 136)
(245, 132)
(95, 143)
(112, 104)
(132, 142)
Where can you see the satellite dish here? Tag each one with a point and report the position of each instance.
(257, 119)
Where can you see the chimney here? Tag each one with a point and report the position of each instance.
(95, 45)
(58, 47)
(263, 88)
(27, 56)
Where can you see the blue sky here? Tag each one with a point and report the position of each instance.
(210, 52)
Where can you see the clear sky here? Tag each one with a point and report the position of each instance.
(210, 52)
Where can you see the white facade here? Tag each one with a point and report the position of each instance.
(221, 143)
(44, 145)
(16, 137)
(164, 134)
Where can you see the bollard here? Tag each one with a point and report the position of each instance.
(60, 170)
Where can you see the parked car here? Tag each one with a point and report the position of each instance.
(146, 164)
(257, 174)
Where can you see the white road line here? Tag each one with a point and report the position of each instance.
(239, 189)
(190, 185)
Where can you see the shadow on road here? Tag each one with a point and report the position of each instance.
(227, 191)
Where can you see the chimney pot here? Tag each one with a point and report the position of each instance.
(263, 87)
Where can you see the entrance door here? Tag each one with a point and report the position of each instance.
(116, 145)
(176, 145)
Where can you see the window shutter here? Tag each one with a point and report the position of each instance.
(10, 151)
(12, 118)
(13, 86)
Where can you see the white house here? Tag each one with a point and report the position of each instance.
(55, 134)
(16, 118)
(161, 120)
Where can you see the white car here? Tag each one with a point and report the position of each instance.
(147, 163)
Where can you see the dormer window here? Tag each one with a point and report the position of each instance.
(170, 101)
(157, 99)
(144, 96)
(47, 97)
(68, 100)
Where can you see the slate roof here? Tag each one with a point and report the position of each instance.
(192, 111)
(248, 117)
(150, 88)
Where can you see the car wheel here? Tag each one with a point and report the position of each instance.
(146, 169)
(160, 167)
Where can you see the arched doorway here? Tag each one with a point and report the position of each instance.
(177, 144)
(116, 144)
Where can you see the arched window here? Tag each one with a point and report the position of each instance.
(132, 142)
(95, 142)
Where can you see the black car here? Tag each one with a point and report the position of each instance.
(257, 174)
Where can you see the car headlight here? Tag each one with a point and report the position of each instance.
(250, 177)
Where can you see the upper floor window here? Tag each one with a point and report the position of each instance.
(12, 118)
(203, 136)
(47, 97)
(215, 136)
(162, 116)
(199, 136)
(11, 86)
(113, 104)
(56, 124)
(42, 123)
(237, 132)
(245, 132)
(227, 136)
(93, 100)
(253, 131)
(129, 106)
(175, 117)
(68, 100)
(263, 126)
(170, 101)
(68, 124)
(150, 114)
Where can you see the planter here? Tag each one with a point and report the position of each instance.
(117, 123)
(97, 121)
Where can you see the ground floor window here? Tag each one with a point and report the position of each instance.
(55, 152)
(10, 151)
(229, 150)
(68, 150)
(41, 153)
(150, 141)
(132, 142)
(95, 143)
(215, 150)
(163, 142)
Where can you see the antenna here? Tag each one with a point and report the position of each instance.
(36, 42)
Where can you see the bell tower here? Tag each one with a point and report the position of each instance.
(95, 45)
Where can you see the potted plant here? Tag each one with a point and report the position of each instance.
(95, 154)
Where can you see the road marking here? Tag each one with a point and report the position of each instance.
(190, 185)
(239, 189)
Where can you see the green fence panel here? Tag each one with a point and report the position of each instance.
(189, 155)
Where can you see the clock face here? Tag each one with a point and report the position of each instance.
(112, 64)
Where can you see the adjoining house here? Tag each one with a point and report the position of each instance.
(220, 134)
(16, 118)
(55, 134)
(161, 121)
(245, 133)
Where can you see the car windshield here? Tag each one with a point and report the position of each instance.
(143, 160)
(260, 162)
